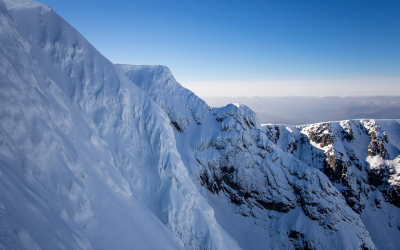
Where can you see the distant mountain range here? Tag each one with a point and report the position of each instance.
(295, 110)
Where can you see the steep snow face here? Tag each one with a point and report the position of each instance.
(59, 188)
(181, 105)
(18, 173)
(87, 159)
(361, 158)
(255, 186)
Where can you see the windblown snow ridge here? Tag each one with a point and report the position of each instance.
(87, 159)
(181, 105)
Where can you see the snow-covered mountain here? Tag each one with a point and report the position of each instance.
(263, 196)
(101, 156)
(362, 160)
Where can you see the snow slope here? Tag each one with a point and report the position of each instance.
(87, 159)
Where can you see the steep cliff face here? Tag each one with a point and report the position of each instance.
(361, 158)
(88, 160)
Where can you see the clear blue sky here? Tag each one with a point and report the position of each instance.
(256, 47)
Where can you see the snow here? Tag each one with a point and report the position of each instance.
(181, 105)
(368, 173)
(28, 4)
(85, 153)
(52, 174)
(228, 146)
(382, 222)
(101, 156)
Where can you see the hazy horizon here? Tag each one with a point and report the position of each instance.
(389, 86)
(299, 110)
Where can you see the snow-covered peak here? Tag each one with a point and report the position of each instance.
(181, 105)
(240, 113)
(26, 4)
(161, 73)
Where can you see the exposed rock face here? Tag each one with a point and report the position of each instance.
(360, 157)
(339, 150)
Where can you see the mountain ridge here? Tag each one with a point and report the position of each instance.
(243, 133)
